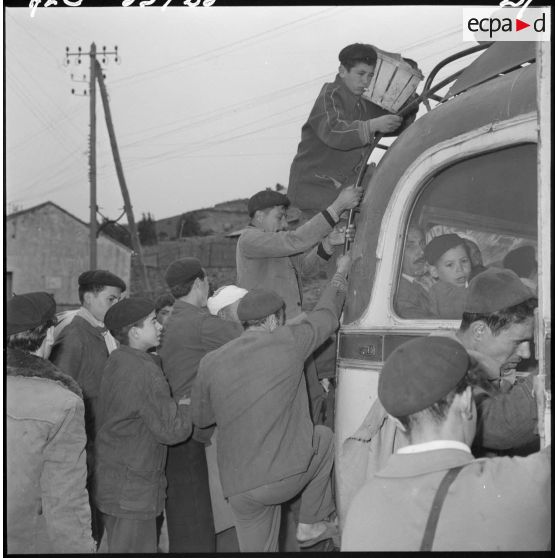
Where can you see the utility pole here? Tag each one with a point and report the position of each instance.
(92, 161)
(120, 173)
(92, 142)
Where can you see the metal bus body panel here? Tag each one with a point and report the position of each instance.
(497, 113)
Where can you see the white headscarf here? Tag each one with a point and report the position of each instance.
(223, 297)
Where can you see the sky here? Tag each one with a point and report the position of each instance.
(207, 103)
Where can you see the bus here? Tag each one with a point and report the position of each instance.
(477, 164)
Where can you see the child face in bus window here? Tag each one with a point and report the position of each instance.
(453, 267)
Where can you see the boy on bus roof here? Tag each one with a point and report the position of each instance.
(341, 125)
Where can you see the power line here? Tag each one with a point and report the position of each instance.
(227, 47)
(223, 112)
(220, 113)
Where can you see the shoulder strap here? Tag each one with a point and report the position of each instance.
(432, 523)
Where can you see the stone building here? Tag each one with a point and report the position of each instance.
(47, 248)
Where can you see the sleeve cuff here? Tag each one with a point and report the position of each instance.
(330, 216)
(323, 253)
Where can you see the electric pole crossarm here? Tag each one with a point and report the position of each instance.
(92, 138)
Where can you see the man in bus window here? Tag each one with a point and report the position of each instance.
(411, 299)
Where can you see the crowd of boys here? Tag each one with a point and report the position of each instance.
(112, 431)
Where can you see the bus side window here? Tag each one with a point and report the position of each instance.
(476, 213)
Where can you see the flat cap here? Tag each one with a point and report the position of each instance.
(28, 311)
(421, 372)
(223, 297)
(258, 304)
(439, 245)
(101, 277)
(265, 199)
(495, 289)
(128, 311)
(181, 271)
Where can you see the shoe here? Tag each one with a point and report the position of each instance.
(331, 532)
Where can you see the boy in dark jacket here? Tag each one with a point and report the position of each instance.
(340, 127)
(137, 420)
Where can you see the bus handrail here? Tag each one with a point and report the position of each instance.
(425, 95)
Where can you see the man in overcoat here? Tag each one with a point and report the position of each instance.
(190, 333)
(269, 451)
(47, 505)
(433, 494)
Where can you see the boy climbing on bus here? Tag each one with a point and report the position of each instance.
(450, 266)
(340, 127)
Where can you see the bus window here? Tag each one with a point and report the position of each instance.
(468, 217)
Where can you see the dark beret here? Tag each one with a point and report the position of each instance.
(181, 271)
(128, 311)
(421, 372)
(358, 51)
(28, 311)
(265, 199)
(439, 245)
(494, 290)
(522, 260)
(101, 277)
(163, 300)
(257, 304)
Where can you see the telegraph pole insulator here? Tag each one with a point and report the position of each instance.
(92, 138)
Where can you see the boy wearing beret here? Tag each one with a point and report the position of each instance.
(47, 505)
(450, 266)
(483, 504)
(191, 332)
(137, 419)
(82, 348)
(335, 137)
(268, 449)
(270, 256)
(163, 308)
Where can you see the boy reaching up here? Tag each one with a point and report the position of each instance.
(137, 420)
